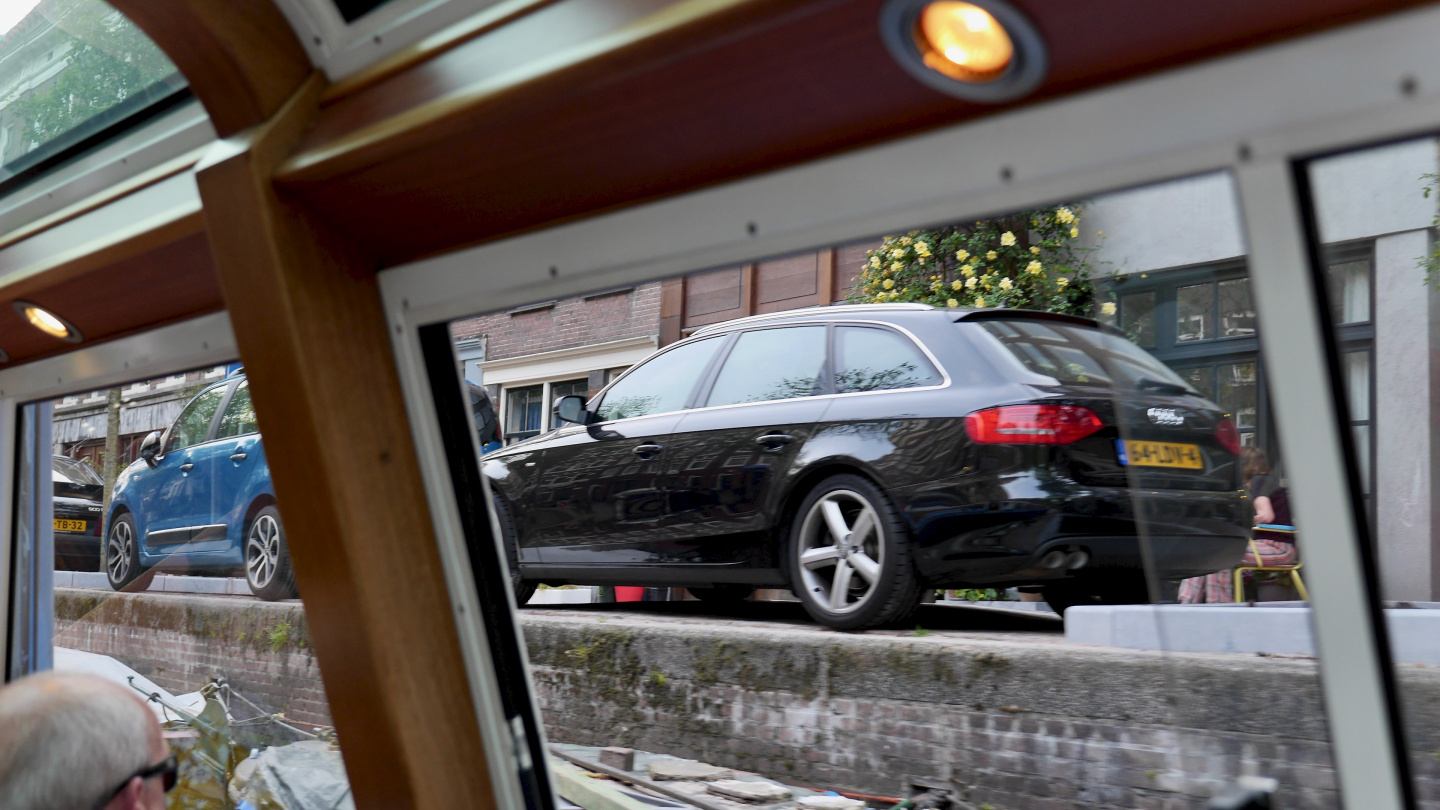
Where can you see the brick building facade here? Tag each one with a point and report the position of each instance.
(529, 356)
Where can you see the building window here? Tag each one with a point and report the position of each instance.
(524, 411)
(569, 388)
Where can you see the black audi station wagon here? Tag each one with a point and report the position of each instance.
(860, 455)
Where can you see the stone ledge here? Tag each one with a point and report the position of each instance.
(1282, 630)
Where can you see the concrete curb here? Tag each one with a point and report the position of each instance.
(1414, 632)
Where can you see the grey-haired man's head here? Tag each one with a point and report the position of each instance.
(73, 741)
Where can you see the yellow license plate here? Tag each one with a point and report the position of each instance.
(1161, 454)
(70, 525)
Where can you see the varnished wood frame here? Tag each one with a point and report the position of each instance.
(892, 188)
(240, 57)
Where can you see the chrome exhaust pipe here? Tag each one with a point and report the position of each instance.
(1076, 559)
(1054, 559)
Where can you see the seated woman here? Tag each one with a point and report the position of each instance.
(1272, 507)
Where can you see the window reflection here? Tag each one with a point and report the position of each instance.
(69, 68)
(1195, 312)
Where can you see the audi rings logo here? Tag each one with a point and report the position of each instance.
(1165, 416)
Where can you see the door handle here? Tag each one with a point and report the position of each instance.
(187, 467)
(774, 441)
(238, 457)
(648, 450)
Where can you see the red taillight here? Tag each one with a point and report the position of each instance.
(1228, 436)
(1032, 424)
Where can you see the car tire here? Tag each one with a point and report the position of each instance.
(122, 557)
(1069, 593)
(723, 594)
(875, 573)
(268, 571)
(523, 588)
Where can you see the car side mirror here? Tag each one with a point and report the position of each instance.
(572, 409)
(150, 448)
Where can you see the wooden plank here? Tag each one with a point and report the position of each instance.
(747, 290)
(241, 57)
(715, 291)
(310, 325)
(788, 278)
(825, 272)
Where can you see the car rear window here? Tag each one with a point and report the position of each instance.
(75, 472)
(1081, 355)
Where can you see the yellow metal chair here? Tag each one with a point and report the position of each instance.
(1292, 570)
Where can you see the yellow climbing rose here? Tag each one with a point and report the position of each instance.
(1007, 238)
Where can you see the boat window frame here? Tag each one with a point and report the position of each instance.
(1178, 124)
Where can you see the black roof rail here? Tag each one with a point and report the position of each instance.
(999, 314)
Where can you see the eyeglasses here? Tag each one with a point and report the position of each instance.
(167, 769)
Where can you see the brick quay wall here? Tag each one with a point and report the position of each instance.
(1024, 723)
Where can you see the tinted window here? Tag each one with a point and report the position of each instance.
(1078, 354)
(873, 359)
(660, 384)
(772, 364)
(194, 424)
(239, 417)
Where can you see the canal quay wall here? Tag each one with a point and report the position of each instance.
(180, 642)
(1022, 722)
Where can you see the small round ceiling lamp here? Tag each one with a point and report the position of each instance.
(48, 322)
(977, 50)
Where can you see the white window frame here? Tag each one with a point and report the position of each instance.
(1253, 114)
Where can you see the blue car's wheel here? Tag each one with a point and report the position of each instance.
(122, 557)
(267, 557)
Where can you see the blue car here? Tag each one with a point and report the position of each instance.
(200, 500)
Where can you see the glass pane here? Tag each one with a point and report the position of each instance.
(193, 426)
(662, 384)
(569, 388)
(1194, 318)
(1350, 291)
(524, 411)
(1237, 315)
(1064, 470)
(68, 69)
(172, 582)
(1137, 317)
(1201, 379)
(1237, 393)
(770, 364)
(239, 417)
(879, 360)
(1357, 384)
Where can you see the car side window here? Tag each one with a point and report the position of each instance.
(769, 364)
(662, 383)
(239, 416)
(194, 424)
(874, 359)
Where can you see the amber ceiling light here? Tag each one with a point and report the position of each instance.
(980, 50)
(48, 322)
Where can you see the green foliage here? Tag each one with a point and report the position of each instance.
(920, 631)
(1032, 260)
(978, 594)
(110, 60)
(1431, 263)
(279, 637)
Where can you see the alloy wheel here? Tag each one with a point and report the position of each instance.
(262, 551)
(841, 551)
(118, 551)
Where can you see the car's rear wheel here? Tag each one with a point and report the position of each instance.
(523, 588)
(850, 558)
(723, 593)
(267, 557)
(122, 557)
(1120, 590)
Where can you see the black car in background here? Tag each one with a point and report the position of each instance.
(860, 455)
(77, 498)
